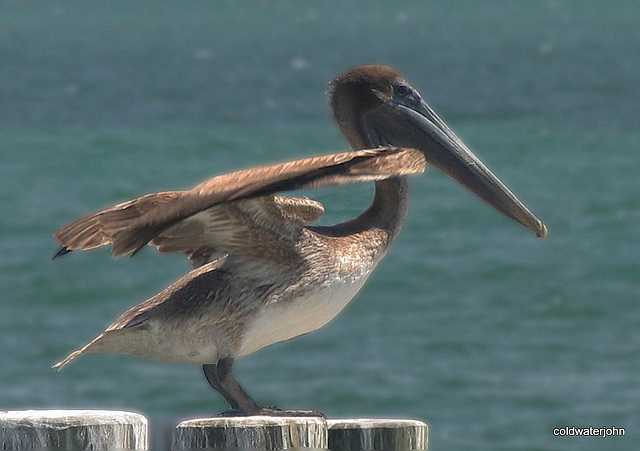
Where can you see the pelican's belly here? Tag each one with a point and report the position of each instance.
(160, 341)
(284, 320)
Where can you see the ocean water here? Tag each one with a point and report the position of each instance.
(471, 324)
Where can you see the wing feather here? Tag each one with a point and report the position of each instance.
(173, 220)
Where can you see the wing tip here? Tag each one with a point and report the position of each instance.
(64, 250)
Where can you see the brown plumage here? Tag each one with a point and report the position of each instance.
(131, 225)
(262, 272)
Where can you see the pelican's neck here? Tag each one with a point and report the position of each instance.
(386, 214)
(349, 103)
(389, 208)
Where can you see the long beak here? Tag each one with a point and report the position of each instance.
(420, 127)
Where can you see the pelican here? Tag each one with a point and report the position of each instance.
(262, 272)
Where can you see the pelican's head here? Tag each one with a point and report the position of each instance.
(375, 106)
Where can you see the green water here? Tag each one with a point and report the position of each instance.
(471, 324)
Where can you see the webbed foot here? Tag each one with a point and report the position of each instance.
(271, 412)
(276, 412)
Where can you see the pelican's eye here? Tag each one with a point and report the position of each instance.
(402, 90)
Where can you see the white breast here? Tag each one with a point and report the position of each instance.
(282, 321)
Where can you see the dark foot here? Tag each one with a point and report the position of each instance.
(271, 412)
(275, 412)
(232, 413)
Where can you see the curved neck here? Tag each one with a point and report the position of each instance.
(386, 213)
(390, 204)
(388, 210)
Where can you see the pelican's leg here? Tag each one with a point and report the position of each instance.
(220, 377)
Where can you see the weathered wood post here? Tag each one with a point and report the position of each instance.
(379, 435)
(253, 432)
(73, 430)
(273, 433)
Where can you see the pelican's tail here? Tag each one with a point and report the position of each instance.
(86, 348)
(68, 359)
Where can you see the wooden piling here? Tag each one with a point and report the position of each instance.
(98, 430)
(378, 434)
(73, 430)
(273, 433)
(253, 432)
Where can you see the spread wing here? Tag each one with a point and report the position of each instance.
(254, 228)
(232, 213)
